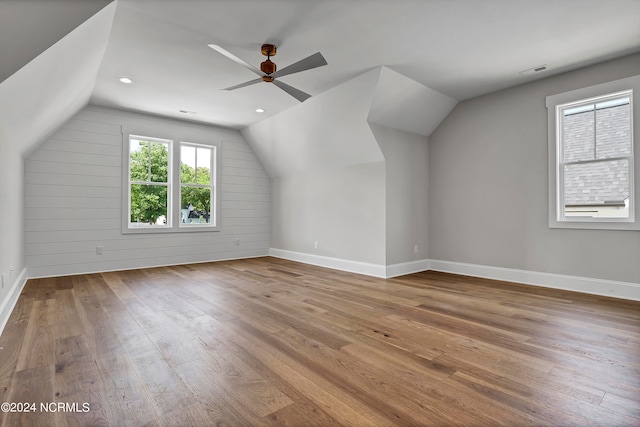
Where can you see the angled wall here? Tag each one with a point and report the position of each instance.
(28, 28)
(402, 103)
(34, 101)
(406, 182)
(349, 173)
(327, 175)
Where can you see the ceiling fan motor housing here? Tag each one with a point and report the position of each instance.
(268, 67)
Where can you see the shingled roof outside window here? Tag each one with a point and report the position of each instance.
(596, 146)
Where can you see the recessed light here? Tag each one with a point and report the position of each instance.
(191, 113)
(126, 80)
(259, 110)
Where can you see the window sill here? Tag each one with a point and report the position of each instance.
(623, 225)
(162, 230)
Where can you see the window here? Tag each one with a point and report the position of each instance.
(591, 157)
(170, 187)
(149, 182)
(197, 187)
(594, 159)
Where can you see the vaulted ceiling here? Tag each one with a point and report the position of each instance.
(460, 48)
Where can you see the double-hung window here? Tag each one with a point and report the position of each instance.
(197, 184)
(149, 182)
(592, 161)
(169, 185)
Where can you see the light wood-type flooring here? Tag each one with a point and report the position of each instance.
(268, 342)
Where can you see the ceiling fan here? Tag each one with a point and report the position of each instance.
(268, 73)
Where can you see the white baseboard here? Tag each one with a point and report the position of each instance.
(367, 269)
(587, 285)
(12, 298)
(45, 274)
(395, 270)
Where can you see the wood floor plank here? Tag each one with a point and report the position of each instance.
(68, 323)
(38, 348)
(344, 407)
(31, 387)
(270, 342)
(167, 390)
(78, 382)
(215, 398)
(127, 401)
(192, 415)
(11, 346)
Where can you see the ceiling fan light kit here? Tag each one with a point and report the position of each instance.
(268, 69)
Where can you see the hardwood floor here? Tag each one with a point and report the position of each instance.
(271, 342)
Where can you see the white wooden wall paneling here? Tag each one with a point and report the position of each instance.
(73, 202)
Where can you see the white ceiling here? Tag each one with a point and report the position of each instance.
(461, 48)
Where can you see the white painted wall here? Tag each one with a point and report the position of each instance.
(349, 170)
(406, 158)
(327, 175)
(73, 200)
(11, 215)
(488, 187)
(343, 209)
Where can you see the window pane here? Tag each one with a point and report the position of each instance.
(187, 164)
(159, 162)
(139, 160)
(148, 204)
(196, 205)
(577, 135)
(598, 189)
(613, 131)
(204, 166)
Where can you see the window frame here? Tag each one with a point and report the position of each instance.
(213, 185)
(176, 139)
(168, 184)
(555, 106)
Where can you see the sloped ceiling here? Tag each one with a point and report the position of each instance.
(55, 85)
(331, 130)
(29, 27)
(327, 131)
(402, 103)
(460, 48)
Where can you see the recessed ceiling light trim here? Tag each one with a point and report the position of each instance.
(126, 80)
(259, 110)
(191, 113)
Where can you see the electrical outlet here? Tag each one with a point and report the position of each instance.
(2, 280)
(237, 242)
(415, 249)
(315, 245)
(98, 250)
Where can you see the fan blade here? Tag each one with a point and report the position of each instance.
(296, 93)
(235, 59)
(313, 61)
(249, 83)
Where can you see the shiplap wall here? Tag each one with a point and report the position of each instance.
(73, 199)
